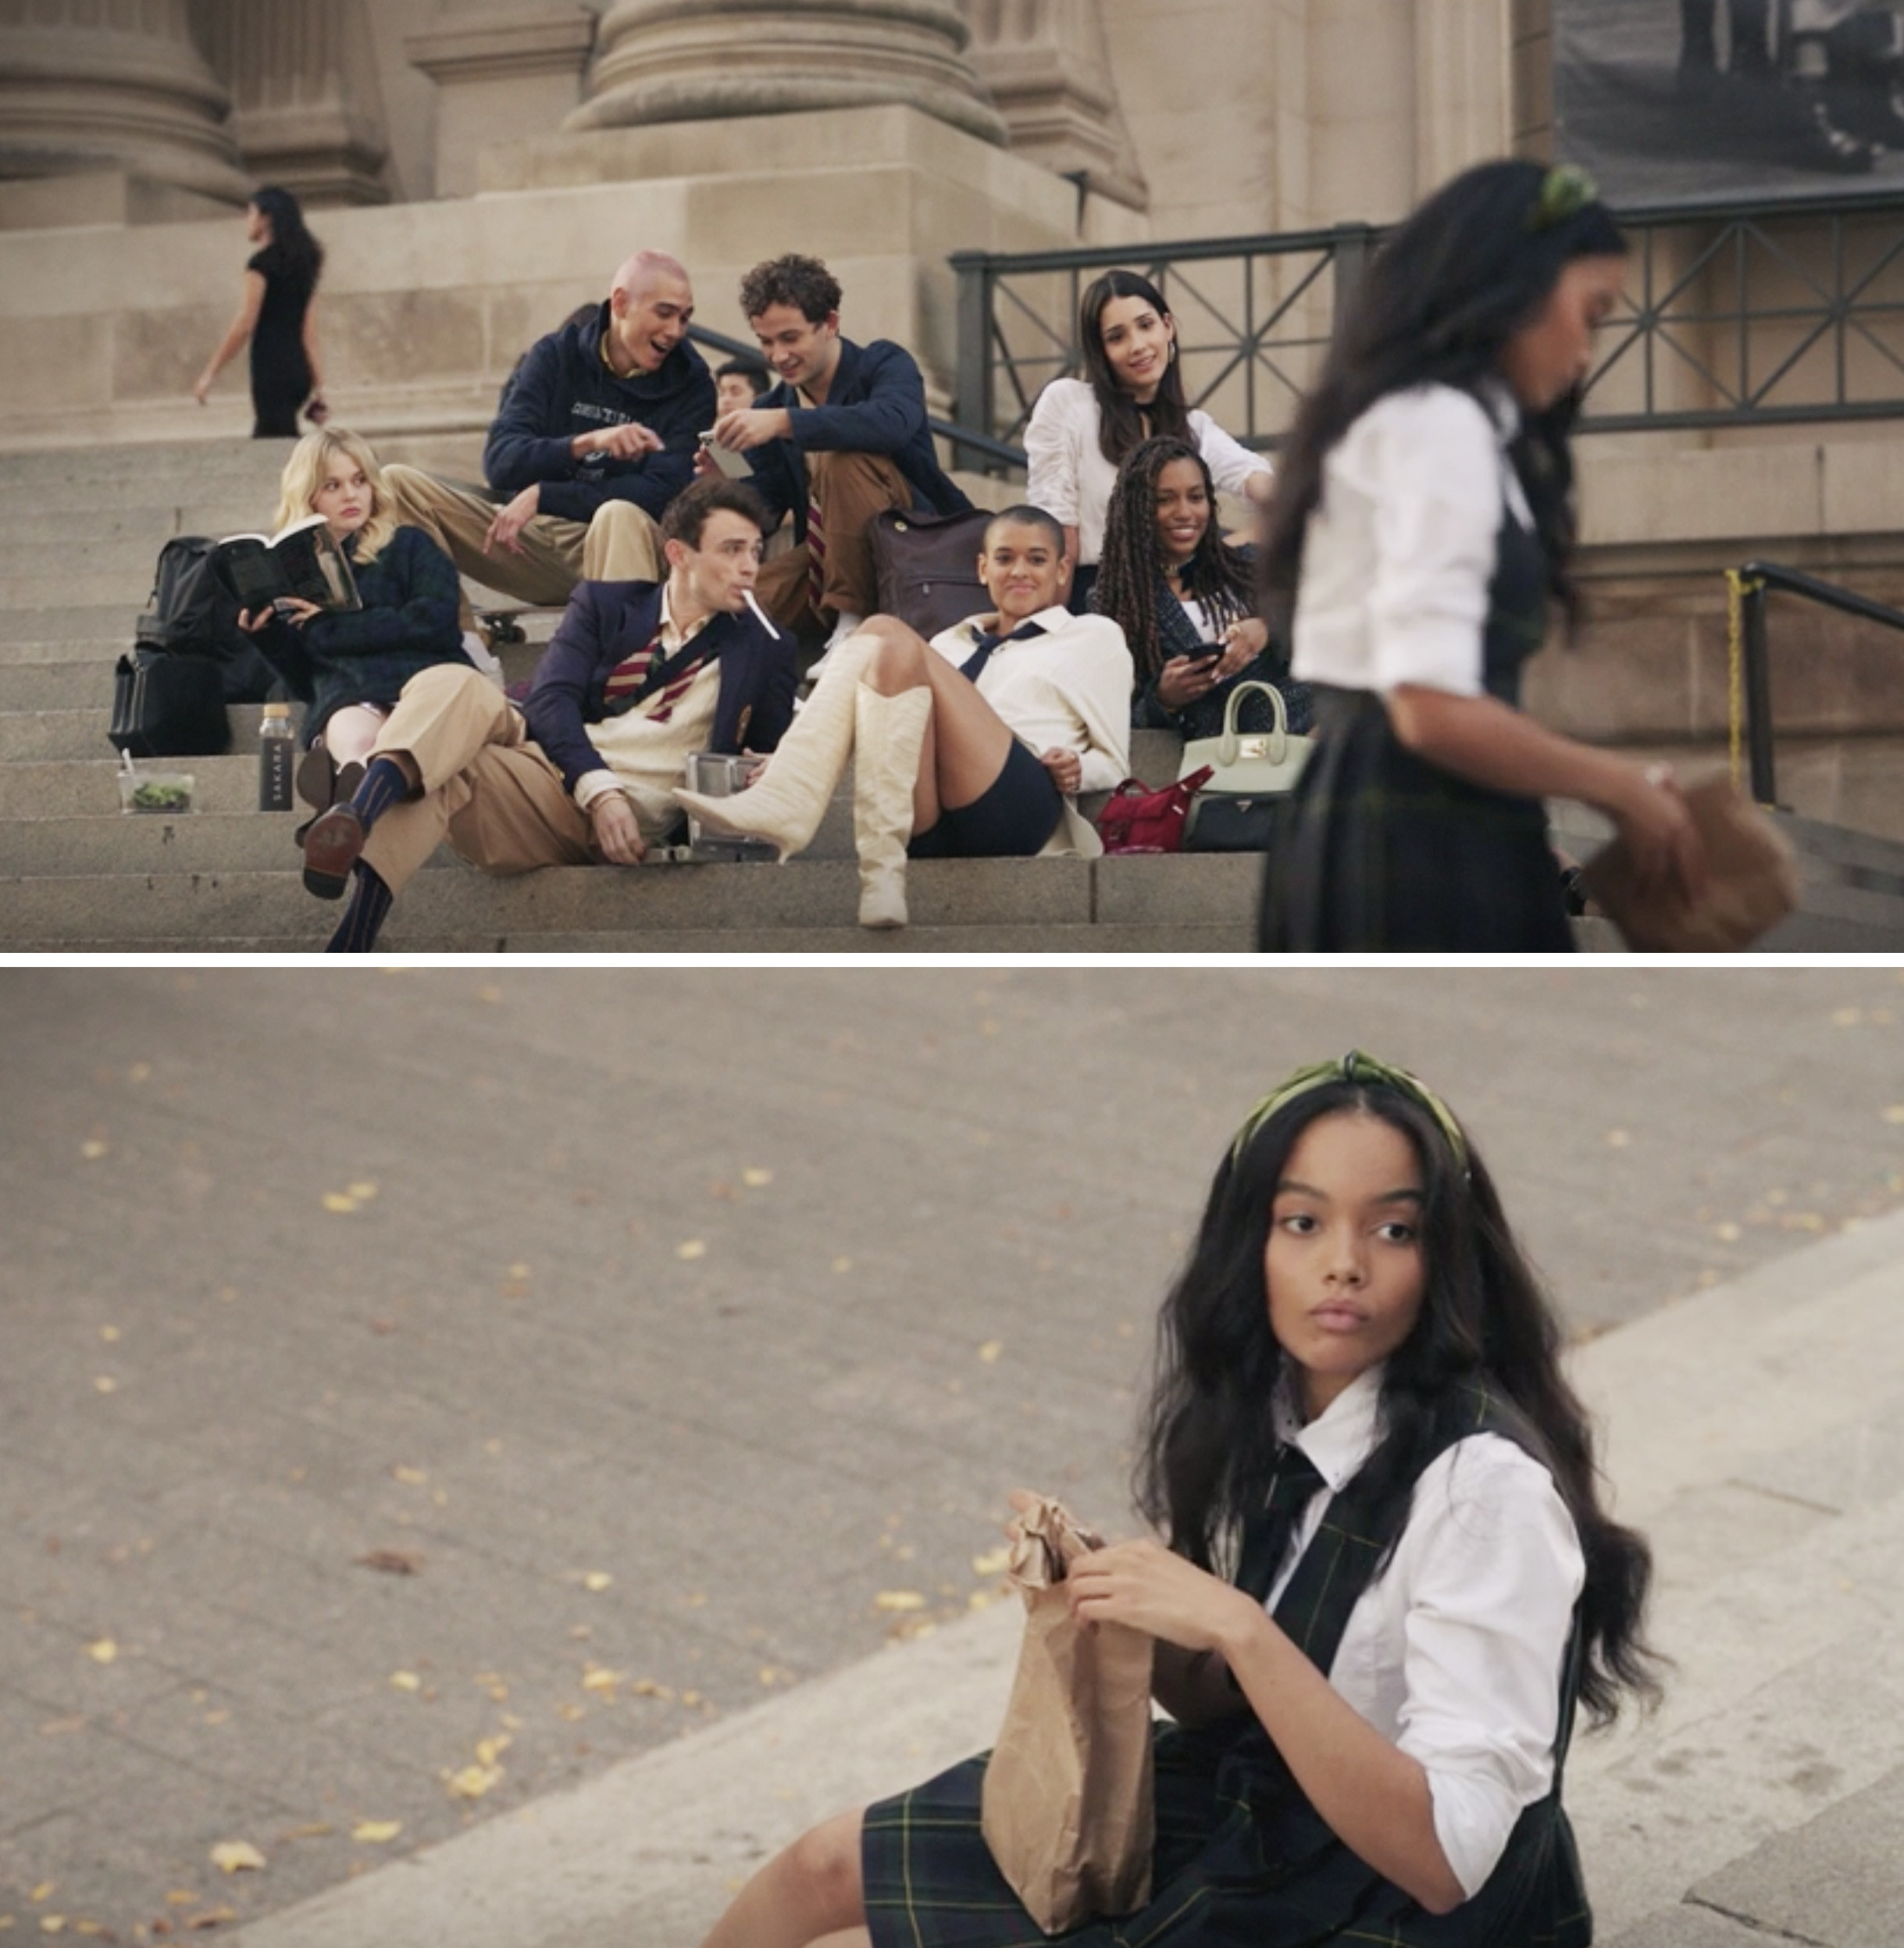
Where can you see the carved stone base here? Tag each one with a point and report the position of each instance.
(688, 60)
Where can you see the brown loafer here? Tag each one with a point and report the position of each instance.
(316, 779)
(331, 848)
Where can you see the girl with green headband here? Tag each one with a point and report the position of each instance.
(1383, 1582)
(1422, 524)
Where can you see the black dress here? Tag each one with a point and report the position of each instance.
(281, 377)
(1381, 851)
(1242, 1860)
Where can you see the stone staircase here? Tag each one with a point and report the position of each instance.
(79, 533)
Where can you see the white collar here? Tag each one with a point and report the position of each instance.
(1050, 620)
(1343, 1435)
(1496, 396)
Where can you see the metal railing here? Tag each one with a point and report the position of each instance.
(1751, 584)
(1737, 314)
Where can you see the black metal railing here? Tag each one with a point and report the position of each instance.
(1737, 314)
(1753, 583)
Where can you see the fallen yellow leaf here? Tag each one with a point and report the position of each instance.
(87, 1927)
(139, 1072)
(363, 1193)
(990, 1350)
(1894, 1114)
(691, 1697)
(406, 1681)
(994, 1561)
(92, 1150)
(898, 1600)
(473, 1781)
(182, 1897)
(103, 1652)
(374, 1833)
(415, 1476)
(109, 1334)
(843, 1265)
(46, 1890)
(236, 1856)
(647, 1688)
(339, 1201)
(52, 1923)
(1618, 1138)
(693, 1248)
(756, 1179)
(489, 1751)
(490, 994)
(598, 1580)
(519, 1272)
(106, 1384)
(602, 1680)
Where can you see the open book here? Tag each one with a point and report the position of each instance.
(303, 560)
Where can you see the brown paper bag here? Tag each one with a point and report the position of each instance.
(1752, 883)
(1067, 1809)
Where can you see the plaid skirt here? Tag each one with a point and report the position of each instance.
(1378, 851)
(1241, 1860)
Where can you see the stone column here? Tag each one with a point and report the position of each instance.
(501, 73)
(1531, 30)
(309, 112)
(94, 85)
(1463, 86)
(1048, 67)
(690, 60)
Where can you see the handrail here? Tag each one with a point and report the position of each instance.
(999, 452)
(1755, 580)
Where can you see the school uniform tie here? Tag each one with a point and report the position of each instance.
(816, 551)
(985, 643)
(629, 677)
(1266, 1534)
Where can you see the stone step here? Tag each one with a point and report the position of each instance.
(34, 631)
(1162, 898)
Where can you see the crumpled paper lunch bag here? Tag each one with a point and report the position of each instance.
(1067, 1808)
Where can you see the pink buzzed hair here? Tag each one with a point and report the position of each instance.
(643, 267)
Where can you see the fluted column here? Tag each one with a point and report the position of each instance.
(687, 60)
(1048, 67)
(113, 84)
(308, 110)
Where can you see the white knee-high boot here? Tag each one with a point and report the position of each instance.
(788, 803)
(891, 731)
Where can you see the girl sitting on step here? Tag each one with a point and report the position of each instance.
(349, 667)
(1384, 1581)
(973, 745)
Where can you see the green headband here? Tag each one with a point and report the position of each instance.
(1565, 191)
(1354, 1067)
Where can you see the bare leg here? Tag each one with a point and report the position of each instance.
(350, 733)
(966, 742)
(809, 1893)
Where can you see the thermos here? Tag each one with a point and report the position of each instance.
(276, 750)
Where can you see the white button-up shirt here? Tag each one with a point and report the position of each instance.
(1399, 557)
(1454, 1651)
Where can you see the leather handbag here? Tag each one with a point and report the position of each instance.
(1249, 774)
(926, 566)
(1137, 819)
(167, 706)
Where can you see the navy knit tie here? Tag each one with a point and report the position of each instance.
(1266, 1535)
(986, 643)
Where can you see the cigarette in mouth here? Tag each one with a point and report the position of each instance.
(762, 614)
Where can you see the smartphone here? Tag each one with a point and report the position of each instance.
(736, 466)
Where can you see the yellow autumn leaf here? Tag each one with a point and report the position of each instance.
(339, 1201)
(518, 1270)
(489, 1751)
(87, 1927)
(691, 1697)
(406, 1681)
(52, 1923)
(1618, 1138)
(364, 1191)
(109, 1334)
(236, 1856)
(843, 1265)
(692, 1248)
(104, 1651)
(1894, 1114)
(989, 1352)
(598, 1580)
(757, 1179)
(993, 1562)
(473, 1781)
(106, 1384)
(181, 1897)
(92, 1150)
(414, 1476)
(898, 1600)
(602, 1680)
(647, 1688)
(1728, 1233)
(374, 1833)
(45, 1890)
(490, 994)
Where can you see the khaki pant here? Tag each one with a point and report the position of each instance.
(851, 488)
(621, 543)
(487, 788)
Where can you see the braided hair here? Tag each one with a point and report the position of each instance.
(1131, 565)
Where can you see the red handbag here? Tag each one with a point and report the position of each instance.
(1137, 819)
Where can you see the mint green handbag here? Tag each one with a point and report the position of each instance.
(1250, 772)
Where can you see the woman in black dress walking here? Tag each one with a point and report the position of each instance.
(1423, 523)
(1384, 1582)
(277, 315)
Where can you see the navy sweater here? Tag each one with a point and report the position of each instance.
(562, 388)
(876, 405)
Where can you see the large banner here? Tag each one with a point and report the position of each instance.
(1689, 101)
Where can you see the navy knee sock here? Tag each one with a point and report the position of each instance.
(384, 785)
(368, 909)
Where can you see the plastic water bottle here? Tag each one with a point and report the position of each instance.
(276, 749)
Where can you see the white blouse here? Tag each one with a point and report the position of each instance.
(1399, 555)
(1454, 1652)
(1072, 480)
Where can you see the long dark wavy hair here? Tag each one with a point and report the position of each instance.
(1132, 565)
(1209, 1446)
(1120, 427)
(1437, 306)
(304, 255)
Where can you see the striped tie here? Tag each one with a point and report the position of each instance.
(674, 690)
(625, 678)
(816, 552)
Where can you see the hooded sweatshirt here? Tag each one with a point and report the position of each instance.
(563, 387)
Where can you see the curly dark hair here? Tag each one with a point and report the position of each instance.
(1209, 1447)
(1217, 575)
(1120, 427)
(303, 255)
(1437, 306)
(802, 282)
(687, 513)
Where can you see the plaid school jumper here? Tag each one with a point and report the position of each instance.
(1241, 1860)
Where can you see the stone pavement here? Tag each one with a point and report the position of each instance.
(665, 1321)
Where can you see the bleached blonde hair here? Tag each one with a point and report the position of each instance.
(311, 458)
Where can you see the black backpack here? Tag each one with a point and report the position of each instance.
(192, 613)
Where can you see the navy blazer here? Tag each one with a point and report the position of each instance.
(876, 403)
(606, 622)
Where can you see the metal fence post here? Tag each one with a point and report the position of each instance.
(1355, 243)
(1757, 696)
(976, 400)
